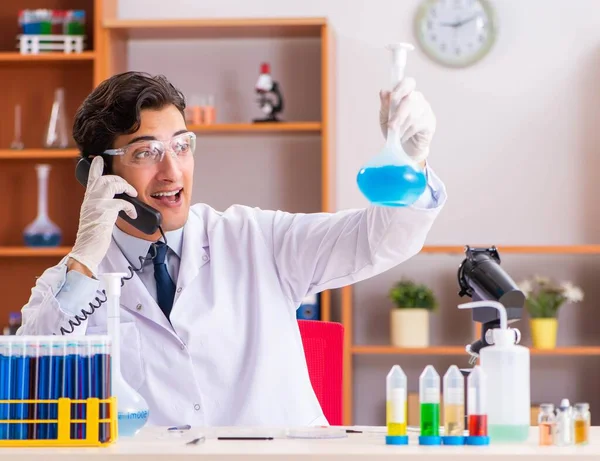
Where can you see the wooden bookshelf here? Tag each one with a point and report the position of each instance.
(217, 28)
(283, 127)
(38, 154)
(33, 79)
(17, 57)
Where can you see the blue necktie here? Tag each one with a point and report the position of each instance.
(165, 288)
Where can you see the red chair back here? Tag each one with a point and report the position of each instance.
(324, 350)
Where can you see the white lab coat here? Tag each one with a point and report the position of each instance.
(234, 355)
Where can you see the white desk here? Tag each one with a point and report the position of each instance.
(153, 444)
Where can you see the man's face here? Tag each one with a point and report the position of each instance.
(156, 183)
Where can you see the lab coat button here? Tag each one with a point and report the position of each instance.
(197, 407)
(139, 307)
(182, 347)
(205, 258)
(179, 290)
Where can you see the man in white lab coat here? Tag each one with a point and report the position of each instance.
(208, 327)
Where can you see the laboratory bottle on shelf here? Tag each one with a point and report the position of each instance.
(42, 232)
(454, 407)
(57, 134)
(477, 408)
(581, 423)
(507, 370)
(429, 402)
(392, 178)
(396, 407)
(546, 424)
(132, 409)
(564, 424)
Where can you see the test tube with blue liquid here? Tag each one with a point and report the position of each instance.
(391, 178)
(5, 384)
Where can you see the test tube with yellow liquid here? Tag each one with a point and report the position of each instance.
(454, 407)
(396, 407)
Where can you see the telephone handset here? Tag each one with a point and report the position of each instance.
(148, 219)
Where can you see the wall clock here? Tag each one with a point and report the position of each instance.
(456, 33)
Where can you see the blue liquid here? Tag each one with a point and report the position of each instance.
(5, 380)
(56, 377)
(43, 392)
(131, 423)
(42, 240)
(391, 185)
(100, 365)
(19, 391)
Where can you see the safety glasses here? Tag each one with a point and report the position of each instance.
(142, 154)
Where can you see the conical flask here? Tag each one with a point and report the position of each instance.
(391, 178)
(132, 409)
(42, 232)
(57, 135)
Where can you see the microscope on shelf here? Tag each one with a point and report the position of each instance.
(481, 278)
(270, 98)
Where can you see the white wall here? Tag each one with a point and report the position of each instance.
(517, 143)
(518, 146)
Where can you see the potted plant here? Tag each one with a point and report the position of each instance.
(544, 298)
(409, 319)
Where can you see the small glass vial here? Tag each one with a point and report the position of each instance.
(546, 424)
(564, 424)
(454, 407)
(477, 408)
(582, 418)
(429, 398)
(396, 407)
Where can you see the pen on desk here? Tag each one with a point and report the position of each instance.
(353, 431)
(244, 438)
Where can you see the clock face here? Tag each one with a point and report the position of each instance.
(456, 33)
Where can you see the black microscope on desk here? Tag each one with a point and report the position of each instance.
(481, 278)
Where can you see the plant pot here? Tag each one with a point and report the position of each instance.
(543, 332)
(409, 327)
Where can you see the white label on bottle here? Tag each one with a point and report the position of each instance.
(454, 396)
(398, 406)
(431, 395)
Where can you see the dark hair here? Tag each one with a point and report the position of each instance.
(114, 107)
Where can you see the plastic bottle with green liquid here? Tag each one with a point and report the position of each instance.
(429, 400)
(391, 178)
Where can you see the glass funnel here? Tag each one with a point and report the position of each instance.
(391, 178)
(42, 232)
(57, 134)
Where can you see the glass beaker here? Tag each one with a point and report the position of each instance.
(391, 178)
(57, 136)
(132, 408)
(42, 232)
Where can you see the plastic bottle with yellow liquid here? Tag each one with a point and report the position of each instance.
(396, 407)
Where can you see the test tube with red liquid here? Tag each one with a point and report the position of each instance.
(477, 408)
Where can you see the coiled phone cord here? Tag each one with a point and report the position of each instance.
(98, 302)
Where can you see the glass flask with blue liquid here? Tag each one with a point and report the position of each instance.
(391, 178)
(42, 232)
(132, 409)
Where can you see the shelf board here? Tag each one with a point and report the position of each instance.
(386, 350)
(31, 154)
(217, 28)
(29, 252)
(277, 127)
(15, 56)
(522, 249)
(460, 350)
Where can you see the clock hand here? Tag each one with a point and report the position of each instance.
(450, 24)
(466, 21)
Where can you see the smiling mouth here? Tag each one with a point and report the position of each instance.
(168, 198)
